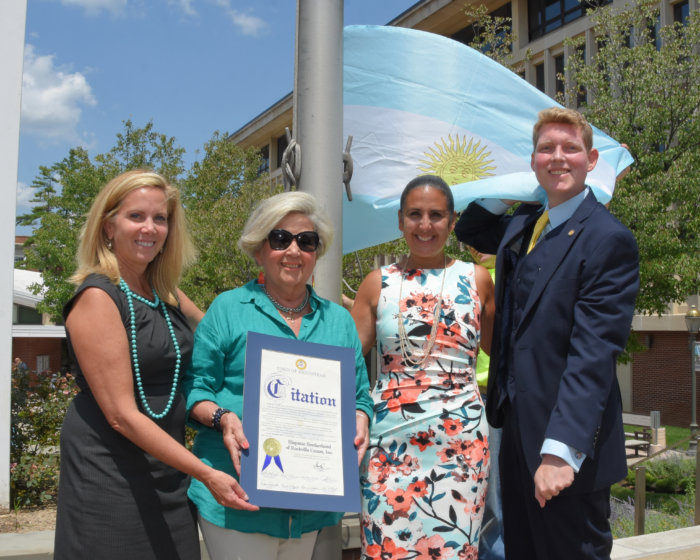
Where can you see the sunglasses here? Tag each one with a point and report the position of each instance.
(280, 239)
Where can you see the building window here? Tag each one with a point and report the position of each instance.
(651, 34)
(681, 11)
(281, 147)
(559, 81)
(539, 76)
(467, 35)
(42, 363)
(581, 95)
(544, 16)
(264, 160)
(656, 33)
(23, 315)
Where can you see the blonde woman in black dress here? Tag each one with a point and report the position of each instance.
(124, 468)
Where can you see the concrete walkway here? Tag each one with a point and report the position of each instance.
(680, 544)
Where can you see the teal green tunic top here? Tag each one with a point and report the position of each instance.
(216, 374)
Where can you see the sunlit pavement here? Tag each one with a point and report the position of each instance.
(680, 544)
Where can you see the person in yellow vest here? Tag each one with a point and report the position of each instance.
(491, 538)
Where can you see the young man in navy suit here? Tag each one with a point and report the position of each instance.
(565, 299)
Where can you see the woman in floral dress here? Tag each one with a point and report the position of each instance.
(425, 473)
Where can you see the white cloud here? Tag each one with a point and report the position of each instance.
(52, 100)
(25, 193)
(185, 6)
(94, 7)
(248, 24)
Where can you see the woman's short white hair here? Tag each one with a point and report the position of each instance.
(273, 210)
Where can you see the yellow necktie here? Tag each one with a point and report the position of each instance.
(541, 223)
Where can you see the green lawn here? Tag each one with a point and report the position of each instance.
(673, 434)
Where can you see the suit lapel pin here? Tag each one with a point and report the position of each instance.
(571, 232)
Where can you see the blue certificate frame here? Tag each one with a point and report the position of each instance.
(299, 418)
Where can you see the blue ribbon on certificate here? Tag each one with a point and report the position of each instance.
(272, 449)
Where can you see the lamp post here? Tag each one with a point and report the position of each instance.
(692, 322)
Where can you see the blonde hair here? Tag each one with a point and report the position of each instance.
(94, 256)
(272, 210)
(563, 116)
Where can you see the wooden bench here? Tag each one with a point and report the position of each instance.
(641, 440)
(638, 439)
(636, 420)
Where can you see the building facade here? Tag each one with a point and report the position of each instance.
(36, 341)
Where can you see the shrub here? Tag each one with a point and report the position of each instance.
(670, 497)
(672, 475)
(622, 517)
(39, 403)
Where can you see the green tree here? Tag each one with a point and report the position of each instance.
(219, 193)
(493, 35)
(642, 86)
(63, 195)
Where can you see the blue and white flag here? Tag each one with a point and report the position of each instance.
(418, 103)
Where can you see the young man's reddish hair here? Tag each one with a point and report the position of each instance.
(563, 116)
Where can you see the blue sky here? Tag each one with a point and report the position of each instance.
(190, 66)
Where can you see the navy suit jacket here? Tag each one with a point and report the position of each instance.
(557, 359)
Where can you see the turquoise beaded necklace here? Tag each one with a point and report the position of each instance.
(130, 297)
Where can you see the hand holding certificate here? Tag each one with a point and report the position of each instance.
(299, 417)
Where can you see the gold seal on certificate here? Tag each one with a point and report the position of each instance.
(272, 447)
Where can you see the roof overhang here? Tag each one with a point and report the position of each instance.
(38, 331)
(269, 123)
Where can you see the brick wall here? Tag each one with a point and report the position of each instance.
(29, 348)
(661, 378)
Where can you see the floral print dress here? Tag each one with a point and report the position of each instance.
(424, 476)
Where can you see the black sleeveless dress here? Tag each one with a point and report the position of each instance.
(114, 500)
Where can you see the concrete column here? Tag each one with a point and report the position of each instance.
(12, 22)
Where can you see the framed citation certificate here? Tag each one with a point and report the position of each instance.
(299, 418)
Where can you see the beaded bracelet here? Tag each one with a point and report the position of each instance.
(216, 418)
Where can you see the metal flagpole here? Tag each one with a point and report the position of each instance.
(318, 130)
(318, 123)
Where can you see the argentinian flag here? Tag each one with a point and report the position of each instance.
(418, 103)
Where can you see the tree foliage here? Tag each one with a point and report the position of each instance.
(62, 197)
(219, 193)
(493, 35)
(642, 89)
(642, 86)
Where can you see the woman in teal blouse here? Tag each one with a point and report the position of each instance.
(284, 235)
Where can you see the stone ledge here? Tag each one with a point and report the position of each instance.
(38, 545)
(643, 546)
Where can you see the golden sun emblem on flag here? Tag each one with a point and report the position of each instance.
(457, 161)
